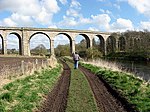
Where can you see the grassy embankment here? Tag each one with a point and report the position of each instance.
(135, 90)
(25, 95)
(80, 97)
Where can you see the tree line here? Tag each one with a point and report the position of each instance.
(134, 45)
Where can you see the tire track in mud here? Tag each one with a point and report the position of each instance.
(56, 101)
(105, 101)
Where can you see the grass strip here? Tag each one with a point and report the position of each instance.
(25, 95)
(80, 97)
(135, 90)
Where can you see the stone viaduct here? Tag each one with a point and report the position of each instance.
(24, 35)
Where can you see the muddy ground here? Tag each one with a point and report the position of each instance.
(57, 99)
(106, 102)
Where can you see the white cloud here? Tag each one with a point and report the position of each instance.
(93, 29)
(44, 17)
(61, 40)
(68, 21)
(63, 1)
(143, 6)
(12, 42)
(21, 19)
(101, 20)
(24, 7)
(15, 20)
(75, 4)
(72, 12)
(74, 9)
(117, 6)
(121, 25)
(39, 39)
(29, 7)
(74, 18)
(24, 12)
(105, 11)
(52, 26)
(72, 15)
(102, 10)
(145, 25)
(51, 6)
(83, 20)
(8, 22)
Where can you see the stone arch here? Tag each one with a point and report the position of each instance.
(38, 33)
(122, 43)
(87, 40)
(20, 40)
(101, 44)
(130, 44)
(82, 42)
(110, 44)
(137, 43)
(70, 40)
(67, 35)
(2, 45)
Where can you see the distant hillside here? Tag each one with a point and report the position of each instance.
(39, 50)
(40, 46)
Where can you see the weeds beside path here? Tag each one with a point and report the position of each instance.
(105, 100)
(135, 92)
(26, 94)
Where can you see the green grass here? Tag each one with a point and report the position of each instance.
(25, 95)
(136, 91)
(80, 97)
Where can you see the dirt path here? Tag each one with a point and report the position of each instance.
(105, 101)
(56, 100)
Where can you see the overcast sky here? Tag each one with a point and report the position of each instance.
(101, 15)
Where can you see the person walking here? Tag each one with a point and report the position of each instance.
(76, 59)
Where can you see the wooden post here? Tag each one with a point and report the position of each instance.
(22, 67)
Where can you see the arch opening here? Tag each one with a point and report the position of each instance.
(111, 44)
(99, 43)
(137, 45)
(130, 45)
(14, 45)
(62, 45)
(39, 44)
(1, 45)
(82, 43)
(121, 44)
